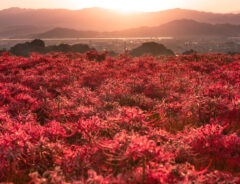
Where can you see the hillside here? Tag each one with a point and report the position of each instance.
(152, 48)
(37, 45)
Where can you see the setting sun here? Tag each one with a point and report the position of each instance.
(127, 5)
(136, 5)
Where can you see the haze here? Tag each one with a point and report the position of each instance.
(222, 6)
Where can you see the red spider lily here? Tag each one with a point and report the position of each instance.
(90, 118)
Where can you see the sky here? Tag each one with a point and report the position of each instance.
(221, 6)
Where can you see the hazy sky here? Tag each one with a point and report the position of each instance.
(128, 5)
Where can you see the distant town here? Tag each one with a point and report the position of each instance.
(119, 45)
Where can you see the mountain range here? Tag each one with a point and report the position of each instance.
(14, 21)
(177, 28)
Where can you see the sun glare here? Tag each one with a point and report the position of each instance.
(127, 6)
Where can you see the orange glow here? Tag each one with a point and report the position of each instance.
(127, 5)
(136, 5)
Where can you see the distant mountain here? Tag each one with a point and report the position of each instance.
(99, 19)
(20, 31)
(177, 28)
(194, 28)
(65, 33)
(185, 28)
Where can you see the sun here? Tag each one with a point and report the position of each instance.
(136, 5)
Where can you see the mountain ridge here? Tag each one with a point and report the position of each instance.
(176, 28)
(100, 19)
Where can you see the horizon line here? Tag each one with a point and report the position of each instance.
(130, 12)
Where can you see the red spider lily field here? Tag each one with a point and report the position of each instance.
(91, 118)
